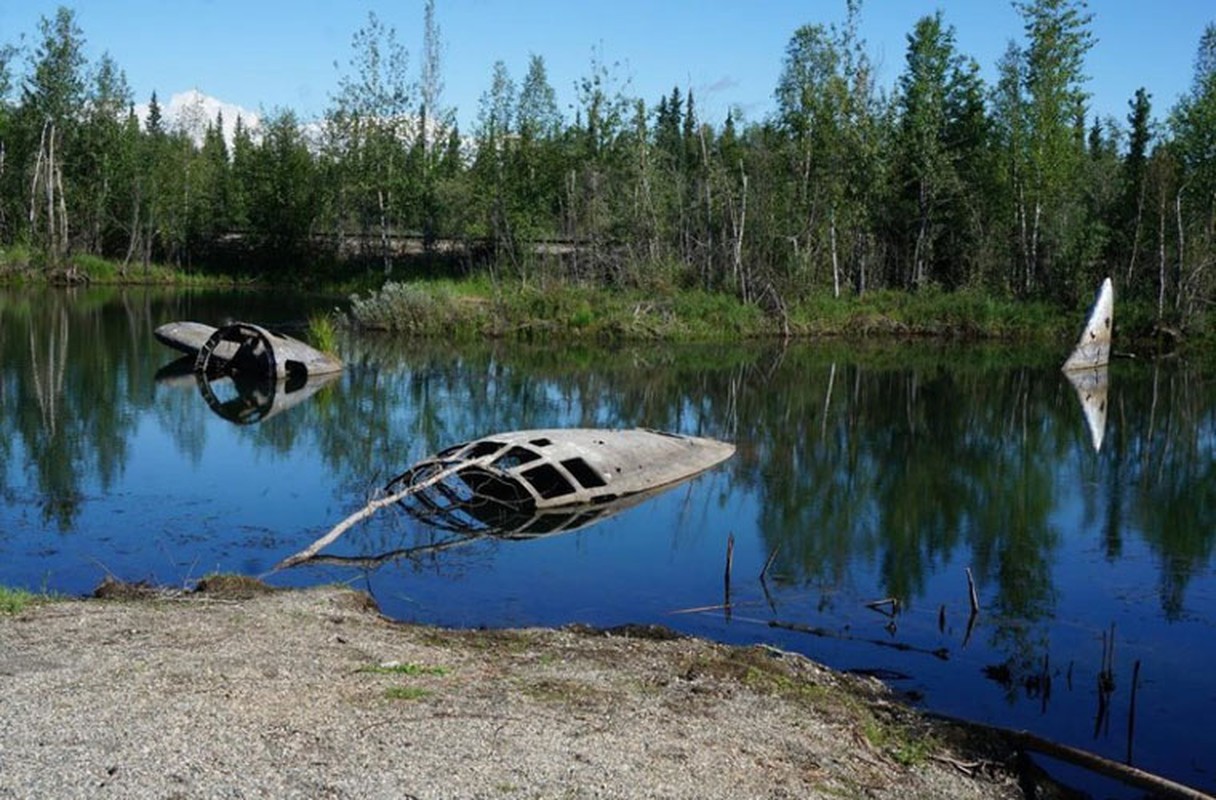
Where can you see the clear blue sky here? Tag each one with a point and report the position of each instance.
(266, 54)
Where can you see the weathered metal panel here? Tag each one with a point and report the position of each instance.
(560, 467)
(1093, 348)
(271, 353)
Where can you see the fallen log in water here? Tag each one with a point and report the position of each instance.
(1157, 785)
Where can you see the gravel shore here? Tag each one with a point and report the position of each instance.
(236, 692)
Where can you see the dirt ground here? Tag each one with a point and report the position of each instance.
(233, 692)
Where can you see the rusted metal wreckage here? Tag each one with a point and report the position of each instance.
(268, 371)
(529, 483)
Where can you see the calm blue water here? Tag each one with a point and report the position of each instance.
(870, 472)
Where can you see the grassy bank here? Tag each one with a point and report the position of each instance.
(477, 309)
(21, 266)
(14, 601)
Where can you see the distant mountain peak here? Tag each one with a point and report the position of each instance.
(192, 111)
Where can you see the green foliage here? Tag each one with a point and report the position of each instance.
(322, 333)
(414, 308)
(406, 693)
(16, 258)
(948, 184)
(1193, 123)
(96, 267)
(475, 309)
(1044, 105)
(907, 746)
(407, 668)
(14, 601)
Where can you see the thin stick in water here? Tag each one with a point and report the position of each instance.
(772, 556)
(1131, 714)
(730, 560)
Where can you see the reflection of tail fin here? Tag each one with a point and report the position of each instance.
(1091, 391)
(1093, 348)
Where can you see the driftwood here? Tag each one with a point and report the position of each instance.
(772, 556)
(1157, 785)
(374, 505)
(941, 653)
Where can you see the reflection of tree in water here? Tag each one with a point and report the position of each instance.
(75, 367)
(899, 458)
(1171, 467)
(900, 466)
(886, 464)
(74, 429)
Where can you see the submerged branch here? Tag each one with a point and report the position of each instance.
(372, 507)
(1125, 773)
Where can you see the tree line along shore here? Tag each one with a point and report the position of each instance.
(945, 205)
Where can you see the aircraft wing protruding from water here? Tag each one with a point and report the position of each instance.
(1093, 348)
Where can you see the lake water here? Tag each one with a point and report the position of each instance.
(864, 472)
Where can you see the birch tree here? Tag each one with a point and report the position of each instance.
(369, 124)
(1193, 124)
(926, 174)
(8, 209)
(1058, 39)
(434, 125)
(826, 105)
(494, 134)
(53, 94)
(811, 100)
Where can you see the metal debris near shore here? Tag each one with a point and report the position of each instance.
(1087, 366)
(243, 347)
(533, 482)
(1093, 348)
(246, 373)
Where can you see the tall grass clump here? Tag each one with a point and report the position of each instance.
(14, 601)
(96, 268)
(323, 333)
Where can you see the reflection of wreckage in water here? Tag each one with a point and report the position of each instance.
(246, 373)
(1091, 387)
(536, 482)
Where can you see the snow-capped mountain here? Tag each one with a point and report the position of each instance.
(192, 111)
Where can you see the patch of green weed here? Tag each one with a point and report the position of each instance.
(902, 743)
(396, 668)
(406, 692)
(323, 333)
(14, 601)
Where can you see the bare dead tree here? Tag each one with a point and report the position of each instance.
(46, 191)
